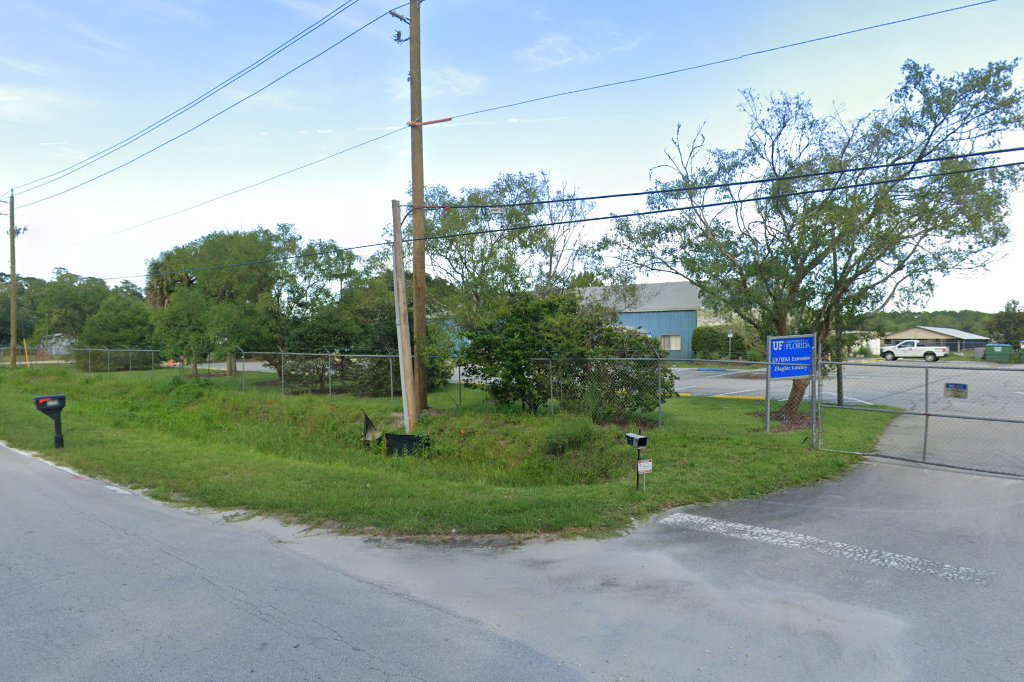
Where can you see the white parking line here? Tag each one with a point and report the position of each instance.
(749, 390)
(846, 397)
(686, 388)
(861, 555)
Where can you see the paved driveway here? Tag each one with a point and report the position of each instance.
(893, 573)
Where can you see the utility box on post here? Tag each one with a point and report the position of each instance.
(51, 406)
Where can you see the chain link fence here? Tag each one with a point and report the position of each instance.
(376, 376)
(86, 359)
(958, 415)
(608, 390)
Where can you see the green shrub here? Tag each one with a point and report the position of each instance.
(712, 342)
(568, 433)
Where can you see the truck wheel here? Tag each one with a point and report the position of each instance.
(930, 357)
(890, 356)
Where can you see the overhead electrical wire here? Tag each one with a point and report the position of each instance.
(567, 93)
(734, 183)
(725, 60)
(103, 153)
(247, 187)
(219, 113)
(577, 221)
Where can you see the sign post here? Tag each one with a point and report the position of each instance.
(644, 467)
(789, 357)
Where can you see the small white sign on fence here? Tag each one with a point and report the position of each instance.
(956, 390)
(644, 466)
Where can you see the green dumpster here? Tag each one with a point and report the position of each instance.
(998, 352)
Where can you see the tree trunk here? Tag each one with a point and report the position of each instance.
(791, 409)
(839, 385)
(232, 369)
(195, 365)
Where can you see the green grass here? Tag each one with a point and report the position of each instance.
(488, 471)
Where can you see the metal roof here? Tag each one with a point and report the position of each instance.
(941, 331)
(646, 298)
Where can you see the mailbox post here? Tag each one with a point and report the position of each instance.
(51, 406)
(638, 441)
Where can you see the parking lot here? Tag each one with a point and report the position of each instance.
(968, 414)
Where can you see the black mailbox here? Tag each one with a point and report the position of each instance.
(51, 405)
(635, 440)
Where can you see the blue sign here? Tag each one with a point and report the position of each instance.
(790, 357)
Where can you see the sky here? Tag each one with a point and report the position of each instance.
(77, 76)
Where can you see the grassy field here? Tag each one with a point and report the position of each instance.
(299, 457)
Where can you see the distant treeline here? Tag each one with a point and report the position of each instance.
(973, 321)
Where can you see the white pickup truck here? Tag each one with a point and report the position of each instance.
(914, 349)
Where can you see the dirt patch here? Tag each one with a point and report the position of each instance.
(782, 422)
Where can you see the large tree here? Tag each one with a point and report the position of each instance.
(230, 290)
(1007, 326)
(474, 249)
(839, 216)
(63, 304)
(213, 293)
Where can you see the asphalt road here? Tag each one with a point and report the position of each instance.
(893, 573)
(97, 583)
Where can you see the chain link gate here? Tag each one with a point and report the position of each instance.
(945, 414)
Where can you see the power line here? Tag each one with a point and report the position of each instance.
(243, 264)
(566, 93)
(247, 187)
(57, 175)
(725, 185)
(576, 221)
(731, 202)
(725, 60)
(216, 115)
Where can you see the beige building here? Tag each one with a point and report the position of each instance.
(955, 339)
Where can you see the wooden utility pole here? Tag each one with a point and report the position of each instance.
(419, 257)
(14, 287)
(402, 323)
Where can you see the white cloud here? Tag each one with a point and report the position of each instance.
(98, 38)
(23, 105)
(552, 50)
(452, 82)
(446, 82)
(590, 40)
(26, 67)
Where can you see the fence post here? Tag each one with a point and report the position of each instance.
(391, 374)
(657, 386)
(551, 379)
(460, 383)
(927, 409)
(815, 406)
(88, 359)
(330, 375)
(129, 360)
(282, 371)
(108, 359)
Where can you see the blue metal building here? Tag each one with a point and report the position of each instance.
(667, 311)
